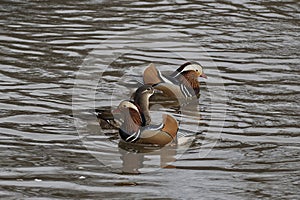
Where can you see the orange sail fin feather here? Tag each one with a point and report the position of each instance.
(151, 75)
(170, 125)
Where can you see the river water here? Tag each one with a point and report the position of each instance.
(247, 140)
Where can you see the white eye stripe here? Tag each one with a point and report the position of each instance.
(127, 104)
(147, 90)
(193, 67)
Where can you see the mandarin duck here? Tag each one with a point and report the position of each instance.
(136, 127)
(133, 131)
(109, 120)
(181, 84)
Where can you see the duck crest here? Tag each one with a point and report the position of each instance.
(180, 69)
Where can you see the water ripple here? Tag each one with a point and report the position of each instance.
(254, 44)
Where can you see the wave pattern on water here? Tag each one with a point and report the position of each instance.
(255, 45)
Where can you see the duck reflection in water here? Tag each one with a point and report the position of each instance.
(134, 156)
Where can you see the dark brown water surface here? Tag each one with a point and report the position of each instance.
(254, 45)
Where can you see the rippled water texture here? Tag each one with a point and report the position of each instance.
(254, 45)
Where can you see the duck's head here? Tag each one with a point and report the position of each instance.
(145, 90)
(189, 66)
(124, 106)
(143, 93)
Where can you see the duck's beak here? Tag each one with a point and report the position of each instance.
(203, 75)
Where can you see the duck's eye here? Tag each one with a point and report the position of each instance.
(148, 89)
(124, 106)
(197, 70)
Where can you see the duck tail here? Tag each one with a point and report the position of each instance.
(170, 125)
(151, 75)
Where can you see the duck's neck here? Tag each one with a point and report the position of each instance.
(143, 102)
(190, 80)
